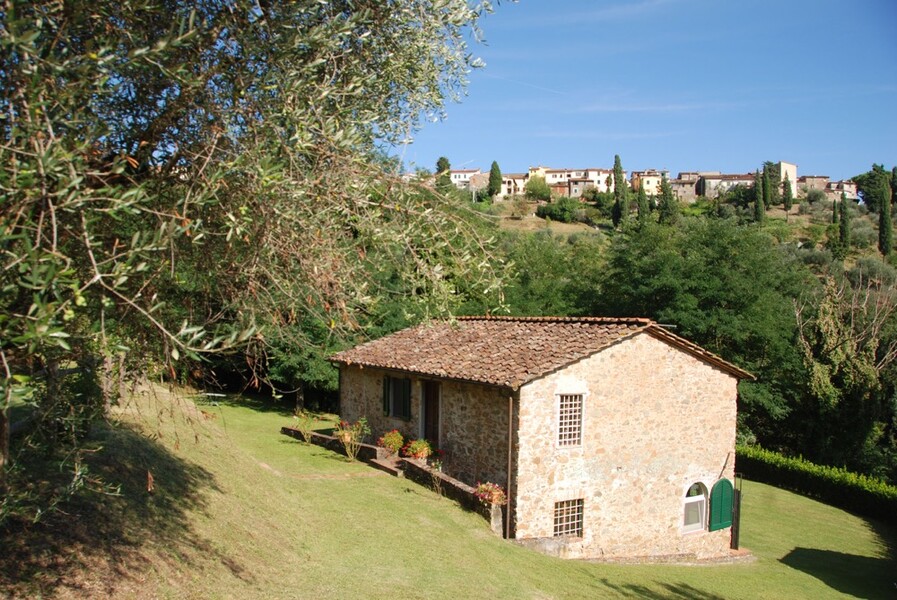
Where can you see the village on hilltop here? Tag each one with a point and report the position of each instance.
(687, 186)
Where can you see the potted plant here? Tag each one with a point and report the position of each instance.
(417, 449)
(392, 441)
(491, 493)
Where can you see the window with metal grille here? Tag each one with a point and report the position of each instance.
(568, 518)
(570, 420)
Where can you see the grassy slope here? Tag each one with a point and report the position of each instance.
(241, 511)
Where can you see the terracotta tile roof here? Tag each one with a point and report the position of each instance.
(507, 351)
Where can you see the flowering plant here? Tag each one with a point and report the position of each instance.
(352, 435)
(436, 459)
(391, 440)
(491, 493)
(417, 449)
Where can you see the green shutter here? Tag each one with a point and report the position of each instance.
(721, 505)
(386, 395)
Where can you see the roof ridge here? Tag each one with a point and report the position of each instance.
(556, 319)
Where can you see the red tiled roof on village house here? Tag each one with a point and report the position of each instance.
(508, 351)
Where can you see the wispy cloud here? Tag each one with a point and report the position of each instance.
(580, 134)
(669, 107)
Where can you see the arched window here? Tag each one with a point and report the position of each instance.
(721, 497)
(694, 509)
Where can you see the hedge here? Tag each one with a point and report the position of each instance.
(857, 493)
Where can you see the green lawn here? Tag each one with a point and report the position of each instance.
(240, 511)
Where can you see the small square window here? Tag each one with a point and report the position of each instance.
(568, 518)
(570, 420)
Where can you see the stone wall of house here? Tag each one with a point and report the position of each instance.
(655, 421)
(473, 421)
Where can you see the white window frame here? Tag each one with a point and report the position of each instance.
(699, 500)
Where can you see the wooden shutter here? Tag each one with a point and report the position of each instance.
(721, 505)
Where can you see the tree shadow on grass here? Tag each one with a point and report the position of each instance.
(671, 591)
(859, 576)
(99, 544)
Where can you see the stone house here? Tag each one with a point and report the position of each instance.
(612, 436)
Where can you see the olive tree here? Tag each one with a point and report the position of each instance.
(180, 178)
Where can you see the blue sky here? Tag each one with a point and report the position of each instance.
(683, 85)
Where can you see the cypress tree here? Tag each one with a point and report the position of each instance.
(885, 227)
(494, 180)
(759, 207)
(669, 206)
(787, 195)
(835, 210)
(767, 187)
(844, 226)
(621, 202)
(644, 209)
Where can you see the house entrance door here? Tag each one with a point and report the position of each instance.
(431, 412)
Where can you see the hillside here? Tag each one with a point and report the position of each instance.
(237, 510)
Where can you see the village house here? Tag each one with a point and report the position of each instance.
(612, 436)
(834, 189)
(649, 179)
(461, 177)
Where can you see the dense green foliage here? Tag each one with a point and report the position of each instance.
(537, 189)
(644, 208)
(668, 208)
(834, 485)
(871, 186)
(563, 209)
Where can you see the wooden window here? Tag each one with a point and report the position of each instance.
(570, 420)
(568, 517)
(721, 497)
(397, 397)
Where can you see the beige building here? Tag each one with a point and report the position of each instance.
(613, 437)
(513, 184)
(650, 180)
(789, 170)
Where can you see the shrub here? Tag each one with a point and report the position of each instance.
(862, 234)
(491, 493)
(352, 435)
(834, 485)
(305, 423)
(563, 210)
(392, 441)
